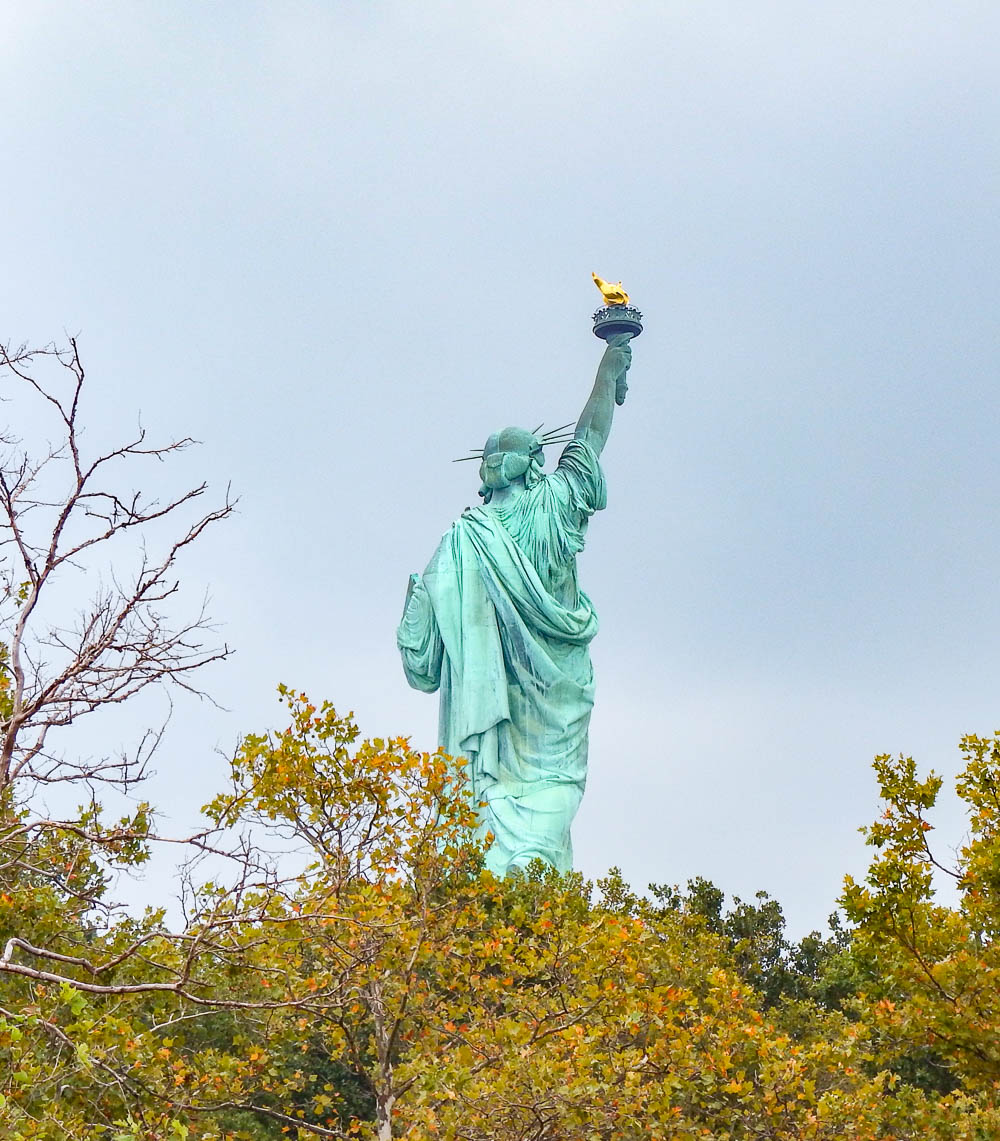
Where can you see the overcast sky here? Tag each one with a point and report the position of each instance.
(340, 243)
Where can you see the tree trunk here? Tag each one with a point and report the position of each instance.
(385, 1097)
(383, 1112)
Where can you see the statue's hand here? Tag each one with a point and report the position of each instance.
(619, 355)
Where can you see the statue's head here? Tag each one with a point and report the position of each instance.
(509, 455)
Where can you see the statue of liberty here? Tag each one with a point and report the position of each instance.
(499, 624)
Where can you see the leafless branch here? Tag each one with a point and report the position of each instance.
(65, 513)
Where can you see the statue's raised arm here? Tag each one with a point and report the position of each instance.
(594, 425)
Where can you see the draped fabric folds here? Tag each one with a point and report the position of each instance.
(497, 622)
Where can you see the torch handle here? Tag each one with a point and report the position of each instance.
(621, 388)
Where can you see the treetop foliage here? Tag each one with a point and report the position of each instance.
(394, 987)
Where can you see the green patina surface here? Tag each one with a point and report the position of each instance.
(498, 623)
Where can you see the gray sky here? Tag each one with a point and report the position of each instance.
(340, 243)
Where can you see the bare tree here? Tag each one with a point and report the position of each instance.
(66, 513)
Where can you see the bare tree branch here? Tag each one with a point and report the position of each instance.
(59, 511)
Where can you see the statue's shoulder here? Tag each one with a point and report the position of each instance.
(579, 453)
